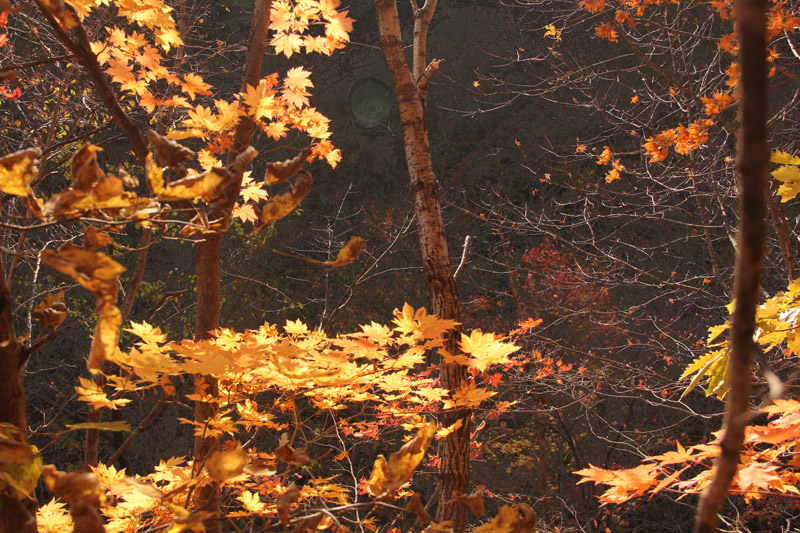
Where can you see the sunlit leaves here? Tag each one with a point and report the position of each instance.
(788, 174)
(519, 518)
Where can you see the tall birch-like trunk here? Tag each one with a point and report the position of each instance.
(410, 86)
(207, 254)
(753, 165)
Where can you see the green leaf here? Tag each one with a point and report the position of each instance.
(118, 425)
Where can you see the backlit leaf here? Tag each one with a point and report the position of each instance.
(388, 476)
(226, 464)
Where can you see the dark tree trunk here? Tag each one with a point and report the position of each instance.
(753, 165)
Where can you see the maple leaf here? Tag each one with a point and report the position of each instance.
(467, 395)
(593, 6)
(758, 476)
(605, 156)
(339, 27)
(287, 43)
(605, 31)
(485, 350)
(682, 455)
(551, 31)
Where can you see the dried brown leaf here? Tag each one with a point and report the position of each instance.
(474, 501)
(281, 171)
(84, 169)
(51, 311)
(284, 501)
(14, 452)
(517, 519)
(93, 239)
(168, 152)
(415, 507)
(17, 170)
(284, 452)
(389, 476)
(348, 254)
(309, 524)
(283, 204)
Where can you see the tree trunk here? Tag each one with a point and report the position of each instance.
(753, 165)
(207, 256)
(411, 89)
(16, 516)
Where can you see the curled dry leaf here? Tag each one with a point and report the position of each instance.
(206, 185)
(348, 254)
(146, 489)
(17, 170)
(93, 239)
(474, 501)
(226, 464)
(415, 507)
(168, 152)
(84, 169)
(517, 519)
(389, 476)
(284, 452)
(284, 501)
(281, 171)
(242, 160)
(75, 486)
(51, 311)
(99, 274)
(283, 204)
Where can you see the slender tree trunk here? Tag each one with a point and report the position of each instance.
(207, 255)
(410, 87)
(753, 164)
(15, 515)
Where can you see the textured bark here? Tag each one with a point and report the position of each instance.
(207, 254)
(752, 163)
(409, 87)
(15, 515)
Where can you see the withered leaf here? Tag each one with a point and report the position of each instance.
(226, 464)
(85, 518)
(106, 334)
(389, 476)
(75, 486)
(284, 452)
(474, 501)
(168, 152)
(284, 501)
(84, 169)
(95, 271)
(206, 185)
(93, 239)
(281, 171)
(415, 506)
(241, 161)
(517, 519)
(115, 425)
(51, 311)
(17, 170)
(8, 76)
(283, 204)
(348, 254)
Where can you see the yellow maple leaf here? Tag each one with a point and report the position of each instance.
(467, 395)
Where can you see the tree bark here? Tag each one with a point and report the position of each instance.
(15, 515)
(410, 88)
(207, 256)
(753, 165)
